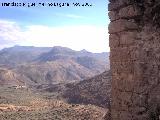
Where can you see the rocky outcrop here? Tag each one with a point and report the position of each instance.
(135, 59)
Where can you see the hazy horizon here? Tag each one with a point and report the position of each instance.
(50, 47)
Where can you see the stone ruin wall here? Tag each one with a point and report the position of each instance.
(135, 59)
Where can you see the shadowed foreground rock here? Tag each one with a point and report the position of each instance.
(135, 59)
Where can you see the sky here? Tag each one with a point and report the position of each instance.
(77, 24)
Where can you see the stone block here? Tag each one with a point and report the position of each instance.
(122, 25)
(126, 100)
(146, 69)
(141, 85)
(126, 67)
(113, 6)
(148, 54)
(144, 116)
(120, 114)
(117, 4)
(139, 113)
(123, 82)
(113, 15)
(120, 54)
(114, 114)
(115, 102)
(124, 115)
(129, 12)
(123, 54)
(113, 40)
(128, 38)
(139, 100)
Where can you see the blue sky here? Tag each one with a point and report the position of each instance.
(77, 27)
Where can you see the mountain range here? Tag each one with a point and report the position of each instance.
(39, 65)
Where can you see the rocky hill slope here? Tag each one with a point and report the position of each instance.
(54, 72)
(95, 90)
(8, 77)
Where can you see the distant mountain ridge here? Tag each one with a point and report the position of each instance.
(69, 53)
(21, 54)
(14, 54)
(49, 65)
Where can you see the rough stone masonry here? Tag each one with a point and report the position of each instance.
(135, 59)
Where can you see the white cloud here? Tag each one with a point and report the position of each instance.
(10, 33)
(92, 38)
(72, 16)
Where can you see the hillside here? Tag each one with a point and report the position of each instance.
(8, 77)
(95, 90)
(91, 63)
(54, 72)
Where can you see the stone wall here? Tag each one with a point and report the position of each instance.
(135, 59)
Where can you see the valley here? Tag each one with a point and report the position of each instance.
(53, 83)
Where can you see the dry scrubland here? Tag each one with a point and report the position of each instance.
(22, 104)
